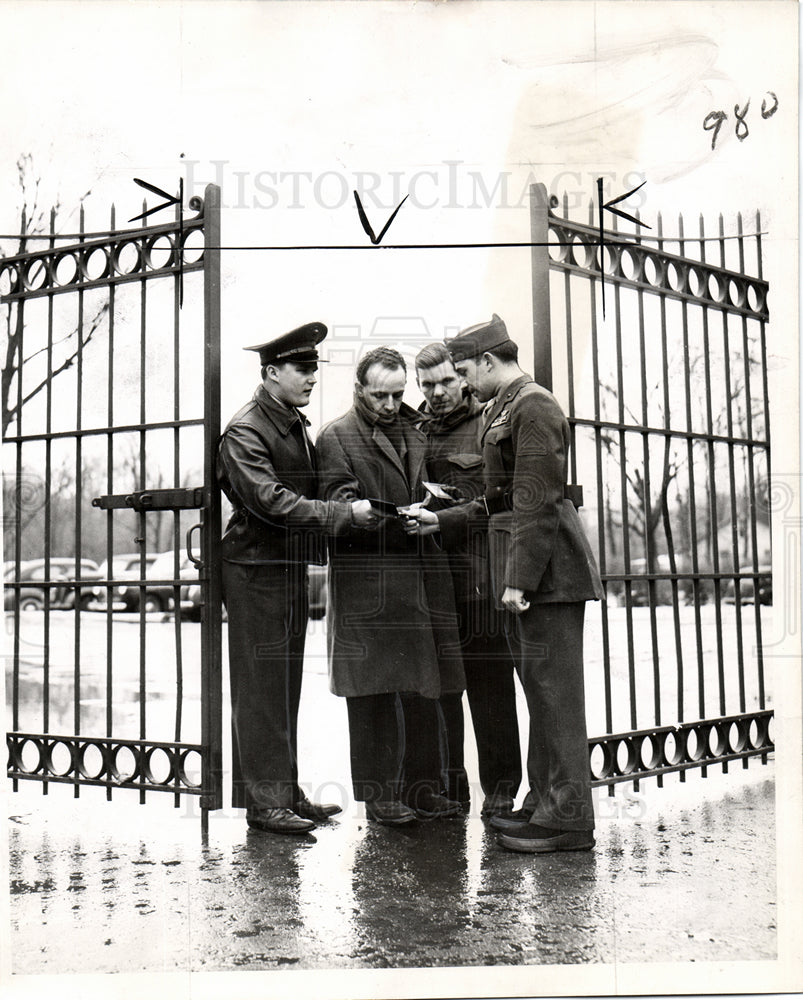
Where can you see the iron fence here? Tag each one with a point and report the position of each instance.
(111, 430)
(668, 406)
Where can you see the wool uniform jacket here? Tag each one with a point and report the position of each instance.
(392, 624)
(267, 469)
(539, 545)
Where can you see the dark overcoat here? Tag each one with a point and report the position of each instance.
(392, 625)
(538, 546)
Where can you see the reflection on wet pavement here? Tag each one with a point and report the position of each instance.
(123, 888)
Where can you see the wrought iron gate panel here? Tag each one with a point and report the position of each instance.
(668, 406)
(123, 410)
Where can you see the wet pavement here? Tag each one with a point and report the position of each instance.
(684, 874)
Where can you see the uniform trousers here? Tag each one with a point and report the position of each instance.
(268, 609)
(491, 691)
(394, 744)
(547, 642)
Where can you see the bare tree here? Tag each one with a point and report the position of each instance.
(33, 222)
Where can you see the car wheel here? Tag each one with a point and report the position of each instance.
(153, 603)
(31, 604)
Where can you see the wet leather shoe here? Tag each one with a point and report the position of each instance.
(318, 811)
(390, 813)
(278, 820)
(532, 839)
(428, 805)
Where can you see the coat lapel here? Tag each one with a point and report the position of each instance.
(387, 449)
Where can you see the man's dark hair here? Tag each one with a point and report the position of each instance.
(507, 352)
(432, 355)
(282, 363)
(384, 356)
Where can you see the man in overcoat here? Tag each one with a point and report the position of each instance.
(543, 572)
(393, 643)
(453, 425)
(267, 469)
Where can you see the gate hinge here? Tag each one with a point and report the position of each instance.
(144, 500)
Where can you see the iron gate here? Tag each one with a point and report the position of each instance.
(668, 407)
(111, 441)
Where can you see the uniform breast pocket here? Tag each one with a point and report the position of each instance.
(466, 460)
(498, 434)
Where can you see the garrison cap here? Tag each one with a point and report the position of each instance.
(476, 340)
(297, 345)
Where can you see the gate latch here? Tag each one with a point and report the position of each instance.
(144, 500)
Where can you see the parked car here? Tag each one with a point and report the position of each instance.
(191, 596)
(158, 596)
(124, 567)
(747, 590)
(68, 588)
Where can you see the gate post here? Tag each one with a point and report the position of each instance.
(211, 627)
(539, 235)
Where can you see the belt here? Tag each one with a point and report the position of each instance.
(504, 501)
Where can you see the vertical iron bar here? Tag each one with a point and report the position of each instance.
(110, 589)
(765, 387)
(539, 256)
(211, 625)
(667, 516)
(631, 652)
(19, 334)
(732, 394)
(692, 501)
(748, 400)
(713, 513)
(606, 650)
(141, 517)
(649, 553)
(178, 289)
(48, 510)
(79, 490)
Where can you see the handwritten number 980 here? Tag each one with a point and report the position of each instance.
(714, 120)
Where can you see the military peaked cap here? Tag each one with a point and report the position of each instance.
(476, 340)
(297, 345)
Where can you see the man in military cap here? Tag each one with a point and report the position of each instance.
(543, 573)
(453, 424)
(267, 469)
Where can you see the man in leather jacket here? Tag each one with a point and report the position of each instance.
(267, 469)
(453, 425)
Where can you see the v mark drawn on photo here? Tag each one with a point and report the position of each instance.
(366, 225)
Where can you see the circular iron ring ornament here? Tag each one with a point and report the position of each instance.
(182, 769)
(122, 260)
(47, 751)
(697, 743)
(106, 761)
(148, 770)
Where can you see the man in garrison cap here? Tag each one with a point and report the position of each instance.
(452, 419)
(543, 572)
(267, 469)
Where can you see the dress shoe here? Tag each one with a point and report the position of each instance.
(318, 811)
(496, 805)
(428, 805)
(533, 839)
(278, 820)
(505, 821)
(389, 813)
